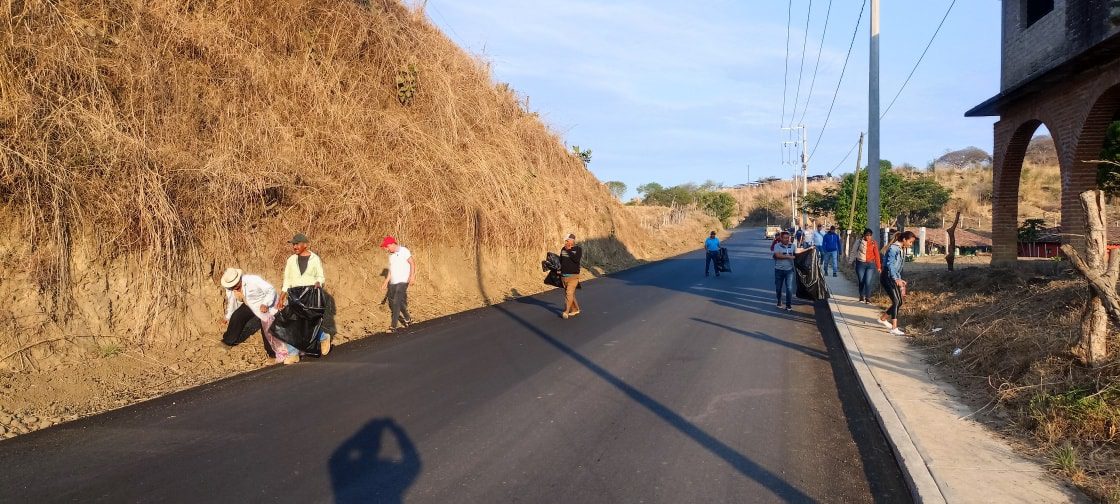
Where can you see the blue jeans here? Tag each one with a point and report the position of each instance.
(712, 258)
(828, 258)
(784, 278)
(865, 273)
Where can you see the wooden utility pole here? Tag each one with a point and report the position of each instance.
(855, 193)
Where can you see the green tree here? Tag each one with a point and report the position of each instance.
(583, 155)
(617, 188)
(650, 187)
(1108, 173)
(818, 203)
(917, 199)
(718, 204)
(1030, 230)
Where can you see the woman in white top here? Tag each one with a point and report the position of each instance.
(248, 296)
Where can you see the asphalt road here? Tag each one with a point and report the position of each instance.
(669, 387)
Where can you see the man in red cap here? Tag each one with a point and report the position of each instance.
(402, 269)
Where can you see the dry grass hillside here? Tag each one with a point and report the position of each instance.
(1040, 190)
(147, 145)
(770, 203)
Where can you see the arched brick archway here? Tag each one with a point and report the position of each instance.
(1007, 164)
(1083, 174)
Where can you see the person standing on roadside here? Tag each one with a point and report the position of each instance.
(402, 271)
(818, 236)
(711, 255)
(304, 269)
(830, 247)
(784, 254)
(867, 264)
(798, 236)
(891, 279)
(570, 256)
(248, 296)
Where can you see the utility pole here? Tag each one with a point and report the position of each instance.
(873, 217)
(787, 159)
(748, 174)
(804, 176)
(855, 196)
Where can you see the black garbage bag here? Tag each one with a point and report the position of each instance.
(723, 264)
(551, 264)
(810, 280)
(298, 324)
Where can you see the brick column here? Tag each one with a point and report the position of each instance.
(1011, 142)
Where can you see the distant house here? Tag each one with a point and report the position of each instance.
(968, 242)
(1049, 243)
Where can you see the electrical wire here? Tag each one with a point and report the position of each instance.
(843, 70)
(920, 58)
(846, 156)
(813, 81)
(801, 72)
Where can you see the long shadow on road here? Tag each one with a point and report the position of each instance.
(738, 461)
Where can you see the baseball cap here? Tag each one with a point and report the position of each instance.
(299, 238)
(389, 240)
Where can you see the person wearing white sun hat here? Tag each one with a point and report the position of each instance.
(248, 296)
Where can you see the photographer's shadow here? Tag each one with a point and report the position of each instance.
(360, 473)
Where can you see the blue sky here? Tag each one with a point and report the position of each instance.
(672, 92)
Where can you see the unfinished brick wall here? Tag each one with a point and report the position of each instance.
(1071, 28)
(1077, 113)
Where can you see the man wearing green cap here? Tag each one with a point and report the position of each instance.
(304, 269)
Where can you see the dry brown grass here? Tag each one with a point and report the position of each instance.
(1040, 190)
(146, 145)
(770, 202)
(1015, 330)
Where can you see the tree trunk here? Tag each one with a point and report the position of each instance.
(951, 254)
(1092, 348)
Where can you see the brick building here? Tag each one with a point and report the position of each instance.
(1061, 68)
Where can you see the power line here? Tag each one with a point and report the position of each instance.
(920, 58)
(813, 82)
(846, 156)
(801, 72)
(843, 70)
(785, 81)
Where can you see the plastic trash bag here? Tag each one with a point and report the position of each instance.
(810, 279)
(301, 320)
(723, 264)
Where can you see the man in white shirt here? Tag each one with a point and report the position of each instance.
(818, 236)
(304, 269)
(402, 270)
(248, 296)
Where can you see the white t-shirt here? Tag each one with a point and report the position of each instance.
(399, 269)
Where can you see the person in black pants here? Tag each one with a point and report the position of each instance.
(711, 247)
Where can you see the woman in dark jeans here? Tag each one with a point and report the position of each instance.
(867, 265)
(891, 279)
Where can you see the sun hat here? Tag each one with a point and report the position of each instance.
(299, 238)
(389, 240)
(570, 236)
(231, 277)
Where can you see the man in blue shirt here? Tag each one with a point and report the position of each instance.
(830, 248)
(711, 246)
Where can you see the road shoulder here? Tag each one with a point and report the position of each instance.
(945, 455)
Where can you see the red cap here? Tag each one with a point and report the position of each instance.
(389, 240)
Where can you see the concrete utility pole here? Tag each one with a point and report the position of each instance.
(873, 218)
(787, 159)
(804, 176)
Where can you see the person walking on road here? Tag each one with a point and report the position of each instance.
(784, 254)
(402, 271)
(818, 236)
(866, 259)
(304, 269)
(711, 255)
(830, 247)
(570, 256)
(248, 296)
(891, 279)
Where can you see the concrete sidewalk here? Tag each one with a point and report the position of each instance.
(945, 454)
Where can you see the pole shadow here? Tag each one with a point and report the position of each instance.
(361, 474)
(733, 458)
(811, 352)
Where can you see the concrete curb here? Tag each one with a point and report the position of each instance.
(922, 484)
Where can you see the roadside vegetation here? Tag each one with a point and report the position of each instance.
(709, 198)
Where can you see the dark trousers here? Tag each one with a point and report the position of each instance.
(241, 324)
(894, 293)
(398, 304)
(712, 258)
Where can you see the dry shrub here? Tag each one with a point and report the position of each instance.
(178, 137)
(1015, 330)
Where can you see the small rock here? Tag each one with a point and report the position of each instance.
(3, 431)
(5, 419)
(43, 424)
(30, 420)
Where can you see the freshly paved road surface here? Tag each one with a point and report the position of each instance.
(670, 387)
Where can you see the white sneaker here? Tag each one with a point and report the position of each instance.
(884, 323)
(897, 332)
(325, 344)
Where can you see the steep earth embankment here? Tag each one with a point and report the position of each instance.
(146, 146)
